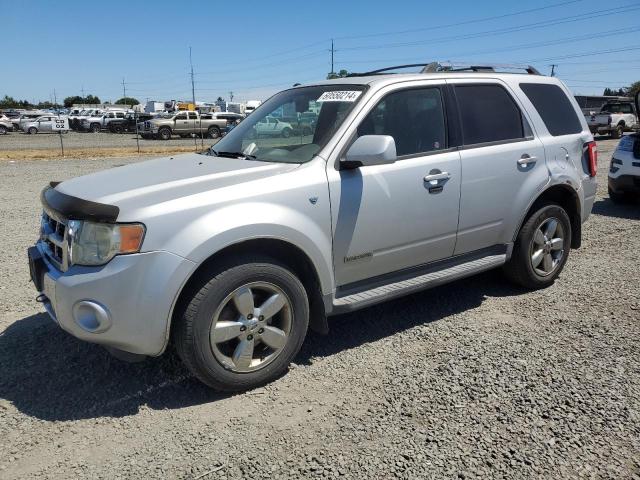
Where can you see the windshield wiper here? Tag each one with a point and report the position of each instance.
(233, 155)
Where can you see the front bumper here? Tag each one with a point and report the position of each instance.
(125, 304)
(625, 184)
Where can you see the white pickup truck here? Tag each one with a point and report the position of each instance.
(614, 119)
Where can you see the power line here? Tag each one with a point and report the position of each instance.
(457, 24)
(193, 90)
(502, 31)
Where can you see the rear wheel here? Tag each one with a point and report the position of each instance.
(286, 133)
(3, 130)
(94, 128)
(213, 132)
(32, 130)
(243, 325)
(617, 132)
(118, 129)
(541, 248)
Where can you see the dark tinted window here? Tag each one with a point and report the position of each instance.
(554, 107)
(488, 114)
(414, 118)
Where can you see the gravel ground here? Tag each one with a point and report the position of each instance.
(44, 141)
(474, 379)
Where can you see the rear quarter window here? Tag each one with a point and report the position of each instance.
(554, 108)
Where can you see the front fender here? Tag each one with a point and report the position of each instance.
(236, 223)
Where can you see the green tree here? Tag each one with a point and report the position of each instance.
(127, 101)
(91, 99)
(69, 101)
(341, 74)
(633, 88)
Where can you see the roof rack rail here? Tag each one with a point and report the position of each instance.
(436, 67)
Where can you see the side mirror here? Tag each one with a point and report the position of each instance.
(370, 150)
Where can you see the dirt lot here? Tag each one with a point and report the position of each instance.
(475, 379)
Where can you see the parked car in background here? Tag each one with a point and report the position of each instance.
(42, 124)
(624, 169)
(26, 117)
(614, 119)
(101, 121)
(75, 121)
(273, 127)
(234, 256)
(182, 123)
(128, 123)
(251, 106)
(5, 124)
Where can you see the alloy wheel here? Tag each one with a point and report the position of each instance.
(251, 327)
(547, 247)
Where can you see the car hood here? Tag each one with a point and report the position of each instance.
(139, 185)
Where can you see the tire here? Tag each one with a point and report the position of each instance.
(618, 198)
(533, 245)
(94, 128)
(214, 132)
(286, 132)
(164, 133)
(117, 129)
(617, 132)
(32, 130)
(218, 364)
(3, 130)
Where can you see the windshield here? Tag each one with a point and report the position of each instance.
(292, 126)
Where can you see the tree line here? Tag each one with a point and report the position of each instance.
(8, 102)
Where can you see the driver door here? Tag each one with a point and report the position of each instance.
(181, 123)
(390, 218)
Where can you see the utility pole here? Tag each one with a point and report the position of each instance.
(55, 99)
(231, 96)
(124, 88)
(193, 88)
(332, 52)
(553, 69)
(82, 90)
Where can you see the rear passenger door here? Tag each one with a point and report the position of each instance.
(502, 163)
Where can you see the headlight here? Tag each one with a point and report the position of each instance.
(96, 243)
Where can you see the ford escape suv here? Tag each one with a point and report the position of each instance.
(404, 182)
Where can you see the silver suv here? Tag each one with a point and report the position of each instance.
(406, 181)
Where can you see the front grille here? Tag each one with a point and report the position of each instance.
(52, 234)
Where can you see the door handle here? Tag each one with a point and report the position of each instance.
(526, 159)
(436, 177)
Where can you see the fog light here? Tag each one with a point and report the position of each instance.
(91, 316)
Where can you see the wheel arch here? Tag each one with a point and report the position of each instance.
(282, 251)
(567, 198)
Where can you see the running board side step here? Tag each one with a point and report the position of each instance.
(422, 282)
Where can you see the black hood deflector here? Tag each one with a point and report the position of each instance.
(74, 208)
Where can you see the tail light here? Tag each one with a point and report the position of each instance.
(592, 158)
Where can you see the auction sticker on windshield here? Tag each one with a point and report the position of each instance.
(340, 96)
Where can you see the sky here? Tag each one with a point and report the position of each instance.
(255, 49)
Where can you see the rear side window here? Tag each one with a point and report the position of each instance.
(488, 114)
(554, 107)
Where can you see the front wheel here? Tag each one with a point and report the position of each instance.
(32, 130)
(243, 326)
(164, 134)
(3, 130)
(95, 128)
(286, 133)
(541, 248)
